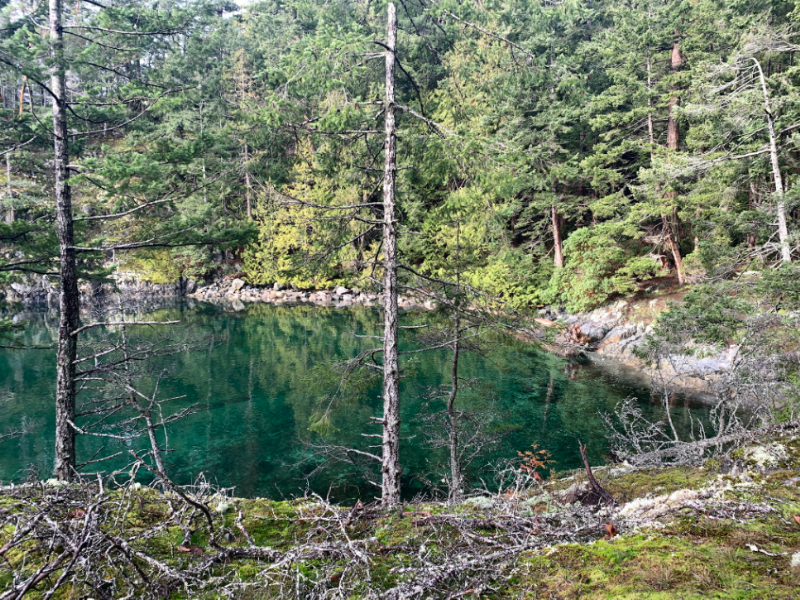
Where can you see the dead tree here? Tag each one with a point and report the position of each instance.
(390, 469)
(68, 292)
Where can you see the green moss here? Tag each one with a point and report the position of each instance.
(652, 567)
(692, 554)
(653, 481)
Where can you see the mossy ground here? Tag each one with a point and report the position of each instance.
(689, 553)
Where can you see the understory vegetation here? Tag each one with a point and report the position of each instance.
(728, 528)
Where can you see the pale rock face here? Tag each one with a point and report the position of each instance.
(796, 561)
(341, 291)
(236, 285)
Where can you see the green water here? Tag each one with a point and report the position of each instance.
(259, 379)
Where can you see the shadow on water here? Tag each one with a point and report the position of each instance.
(262, 374)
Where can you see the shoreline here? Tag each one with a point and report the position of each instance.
(609, 336)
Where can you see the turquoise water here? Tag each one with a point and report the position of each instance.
(260, 378)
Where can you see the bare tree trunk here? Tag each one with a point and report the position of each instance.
(650, 135)
(783, 230)
(390, 469)
(673, 245)
(247, 183)
(456, 478)
(68, 298)
(22, 95)
(558, 249)
(9, 208)
(672, 123)
(673, 138)
(752, 202)
(146, 412)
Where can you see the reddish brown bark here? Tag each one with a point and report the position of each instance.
(558, 249)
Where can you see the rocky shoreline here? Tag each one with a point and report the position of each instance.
(237, 293)
(612, 334)
(609, 335)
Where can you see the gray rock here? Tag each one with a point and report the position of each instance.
(277, 286)
(594, 331)
(191, 286)
(341, 291)
(21, 288)
(236, 285)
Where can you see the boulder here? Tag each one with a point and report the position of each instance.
(277, 286)
(592, 331)
(236, 285)
(341, 291)
(191, 286)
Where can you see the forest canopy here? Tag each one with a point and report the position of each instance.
(579, 148)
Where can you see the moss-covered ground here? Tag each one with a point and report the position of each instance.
(733, 539)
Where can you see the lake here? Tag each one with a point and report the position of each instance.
(260, 378)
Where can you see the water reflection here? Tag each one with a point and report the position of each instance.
(263, 374)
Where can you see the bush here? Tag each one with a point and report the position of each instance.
(601, 261)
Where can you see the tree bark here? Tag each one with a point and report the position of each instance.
(68, 297)
(673, 139)
(390, 468)
(783, 230)
(650, 134)
(558, 248)
(673, 245)
(456, 478)
(9, 208)
(22, 95)
(248, 192)
(673, 134)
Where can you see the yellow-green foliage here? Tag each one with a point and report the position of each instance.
(153, 266)
(303, 238)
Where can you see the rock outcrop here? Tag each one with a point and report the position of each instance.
(612, 334)
(236, 293)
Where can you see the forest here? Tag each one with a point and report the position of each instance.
(521, 194)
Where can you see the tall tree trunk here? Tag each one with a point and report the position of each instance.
(673, 135)
(68, 298)
(673, 138)
(9, 207)
(558, 248)
(650, 135)
(248, 188)
(752, 202)
(456, 477)
(673, 245)
(783, 230)
(390, 469)
(22, 95)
